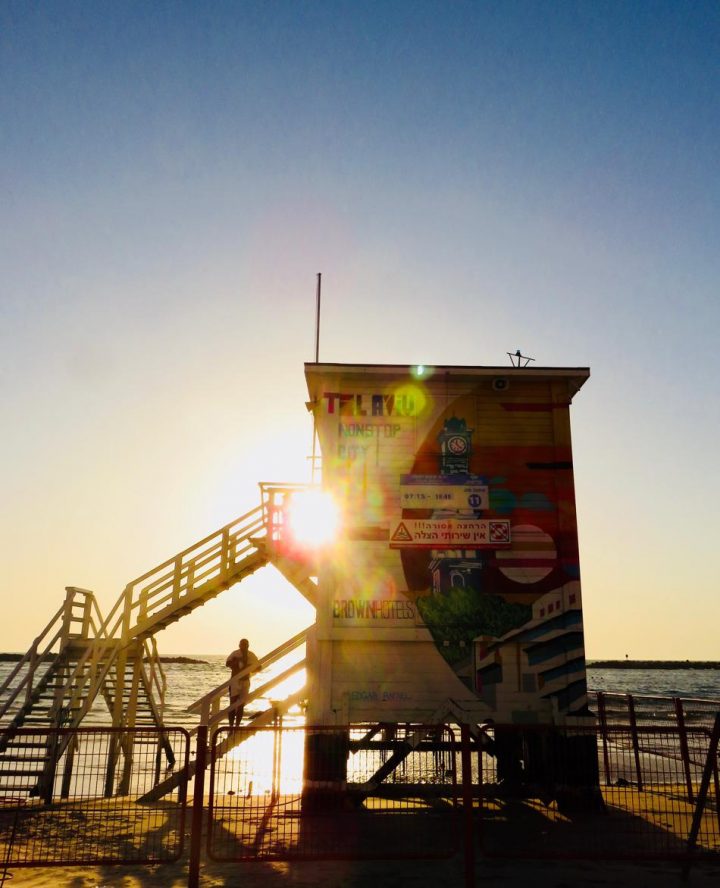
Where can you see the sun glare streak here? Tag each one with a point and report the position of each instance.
(313, 518)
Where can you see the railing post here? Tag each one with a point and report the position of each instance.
(128, 740)
(46, 782)
(87, 615)
(481, 788)
(32, 666)
(602, 715)
(177, 578)
(68, 769)
(225, 552)
(277, 753)
(467, 791)
(197, 808)
(112, 757)
(716, 777)
(684, 749)
(635, 741)
(67, 616)
(142, 606)
(708, 771)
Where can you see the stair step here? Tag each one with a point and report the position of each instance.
(6, 757)
(16, 787)
(55, 686)
(18, 773)
(52, 697)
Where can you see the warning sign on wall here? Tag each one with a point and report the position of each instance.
(449, 533)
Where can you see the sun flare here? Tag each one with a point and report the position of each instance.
(313, 518)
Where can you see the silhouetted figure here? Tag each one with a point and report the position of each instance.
(238, 663)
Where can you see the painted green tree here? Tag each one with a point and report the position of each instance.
(463, 614)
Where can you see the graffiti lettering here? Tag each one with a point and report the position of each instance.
(352, 404)
(364, 696)
(376, 609)
(395, 696)
(352, 451)
(367, 430)
(375, 696)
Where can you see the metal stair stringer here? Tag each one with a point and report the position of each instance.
(297, 573)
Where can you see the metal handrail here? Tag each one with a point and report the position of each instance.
(215, 716)
(33, 649)
(188, 571)
(231, 545)
(64, 617)
(186, 578)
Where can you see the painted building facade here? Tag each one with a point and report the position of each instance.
(456, 577)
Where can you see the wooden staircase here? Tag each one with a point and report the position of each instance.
(187, 581)
(46, 687)
(49, 690)
(81, 658)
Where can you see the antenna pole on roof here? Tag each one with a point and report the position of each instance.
(517, 359)
(317, 318)
(313, 457)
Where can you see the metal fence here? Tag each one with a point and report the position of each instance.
(653, 710)
(384, 791)
(401, 791)
(360, 792)
(611, 792)
(71, 796)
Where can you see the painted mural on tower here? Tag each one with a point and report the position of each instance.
(458, 489)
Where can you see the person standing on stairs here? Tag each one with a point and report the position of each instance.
(241, 663)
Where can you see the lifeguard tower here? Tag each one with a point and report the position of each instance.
(454, 588)
(450, 593)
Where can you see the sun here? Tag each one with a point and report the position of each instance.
(313, 518)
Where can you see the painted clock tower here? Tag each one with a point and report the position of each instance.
(455, 441)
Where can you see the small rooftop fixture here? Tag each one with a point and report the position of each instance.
(519, 360)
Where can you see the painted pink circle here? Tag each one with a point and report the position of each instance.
(533, 546)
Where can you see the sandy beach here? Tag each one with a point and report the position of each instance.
(114, 830)
(380, 874)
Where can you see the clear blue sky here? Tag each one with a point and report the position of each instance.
(471, 178)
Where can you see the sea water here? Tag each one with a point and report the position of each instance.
(686, 683)
(187, 682)
(251, 768)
